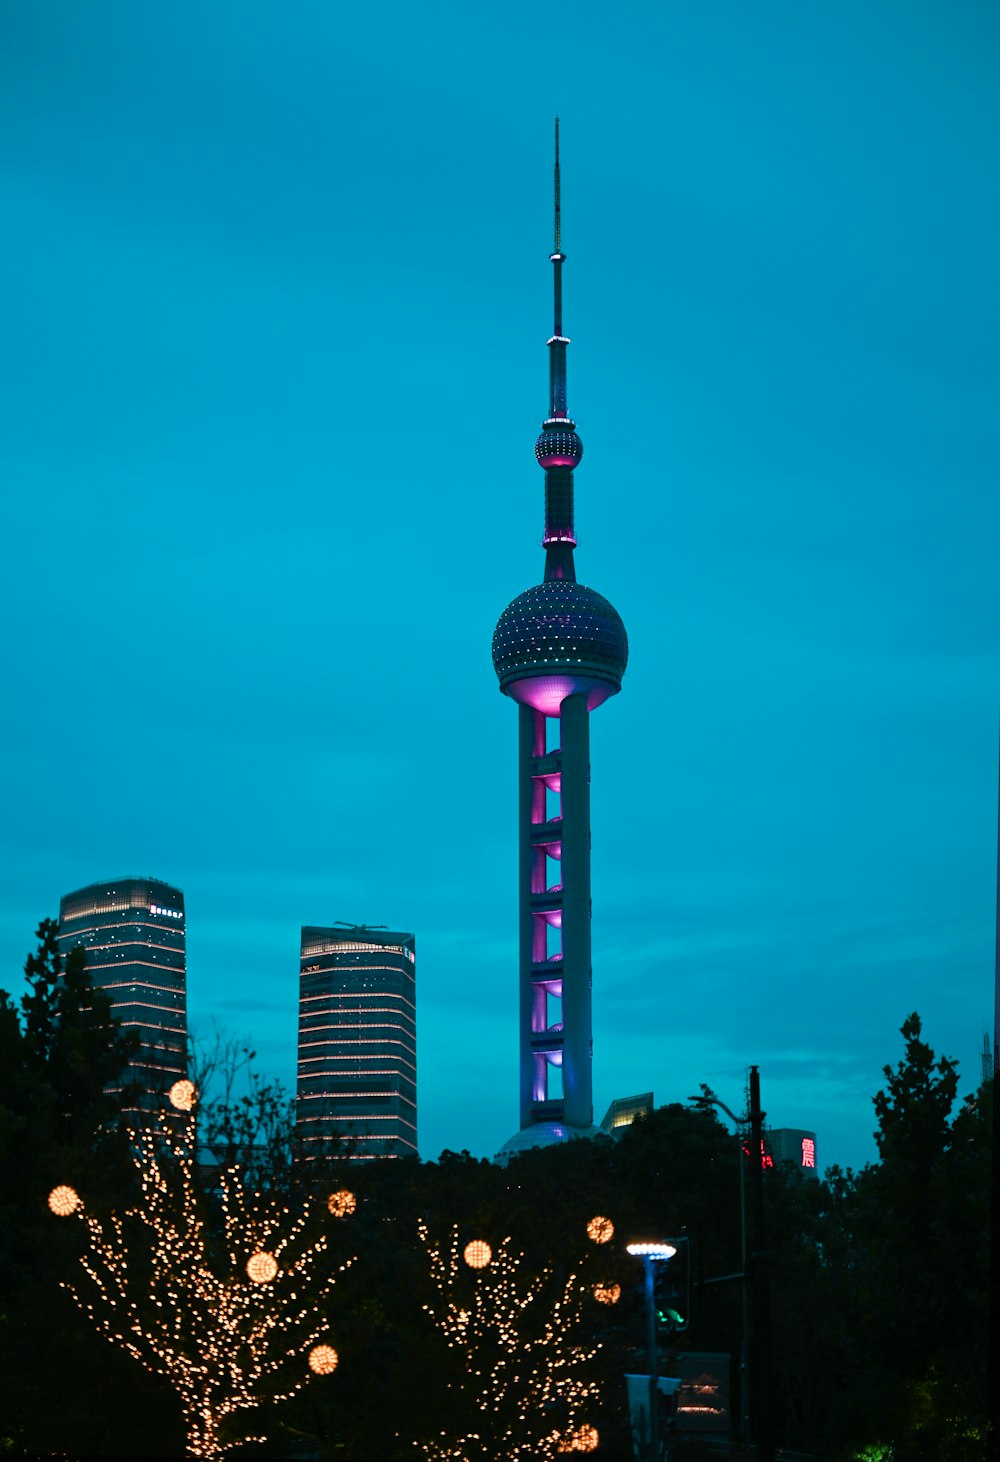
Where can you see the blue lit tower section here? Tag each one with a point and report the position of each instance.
(560, 651)
(133, 930)
(357, 1042)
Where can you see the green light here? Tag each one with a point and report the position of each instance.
(669, 1317)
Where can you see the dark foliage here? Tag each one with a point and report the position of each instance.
(57, 1125)
(906, 1266)
(877, 1279)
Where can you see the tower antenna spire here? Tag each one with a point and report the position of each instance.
(558, 449)
(557, 256)
(557, 387)
(558, 221)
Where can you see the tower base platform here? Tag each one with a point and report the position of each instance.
(542, 1134)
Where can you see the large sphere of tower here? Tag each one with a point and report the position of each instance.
(559, 638)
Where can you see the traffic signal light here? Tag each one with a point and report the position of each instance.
(672, 1289)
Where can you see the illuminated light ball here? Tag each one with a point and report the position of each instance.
(601, 1230)
(323, 1360)
(262, 1267)
(477, 1254)
(183, 1095)
(607, 1294)
(341, 1203)
(64, 1200)
(585, 1439)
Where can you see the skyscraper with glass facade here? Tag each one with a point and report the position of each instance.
(133, 931)
(357, 1075)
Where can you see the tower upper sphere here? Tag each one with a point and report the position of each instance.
(559, 638)
(556, 639)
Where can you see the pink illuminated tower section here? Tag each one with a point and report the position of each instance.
(560, 651)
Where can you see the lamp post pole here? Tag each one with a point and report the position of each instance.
(758, 1276)
(654, 1409)
(651, 1254)
(709, 1099)
(753, 1285)
(745, 1304)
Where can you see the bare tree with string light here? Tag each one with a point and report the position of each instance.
(523, 1356)
(233, 1320)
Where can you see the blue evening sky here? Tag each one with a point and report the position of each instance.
(276, 294)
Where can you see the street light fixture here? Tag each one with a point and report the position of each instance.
(652, 1251)
(708, 1099)
(651, 1254)
(754, 1272)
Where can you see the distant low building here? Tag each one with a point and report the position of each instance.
(624, 1110)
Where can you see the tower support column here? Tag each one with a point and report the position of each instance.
(578, 1042)
(531, 741)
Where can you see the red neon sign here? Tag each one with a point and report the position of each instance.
(766, 1160)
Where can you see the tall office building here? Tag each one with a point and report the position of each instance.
(559, 651)
(357, 1041)
(133, 932)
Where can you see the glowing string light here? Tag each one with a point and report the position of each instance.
(600, 1230)
(341, 1203)
(181, 1306)
(262, 1268)
(64, 1200)
(183, 1095)
(523, 1352)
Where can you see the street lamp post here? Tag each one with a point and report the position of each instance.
(651, 1254)
(761, 1295)
(755, 1273)
(709, 1099)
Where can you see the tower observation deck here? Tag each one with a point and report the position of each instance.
(559, 650)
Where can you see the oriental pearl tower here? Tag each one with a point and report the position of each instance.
(559, 651)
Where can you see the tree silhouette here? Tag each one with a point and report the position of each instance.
(522, 1388)
(60, 1047)
(228, 1322)
(907, 1245)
